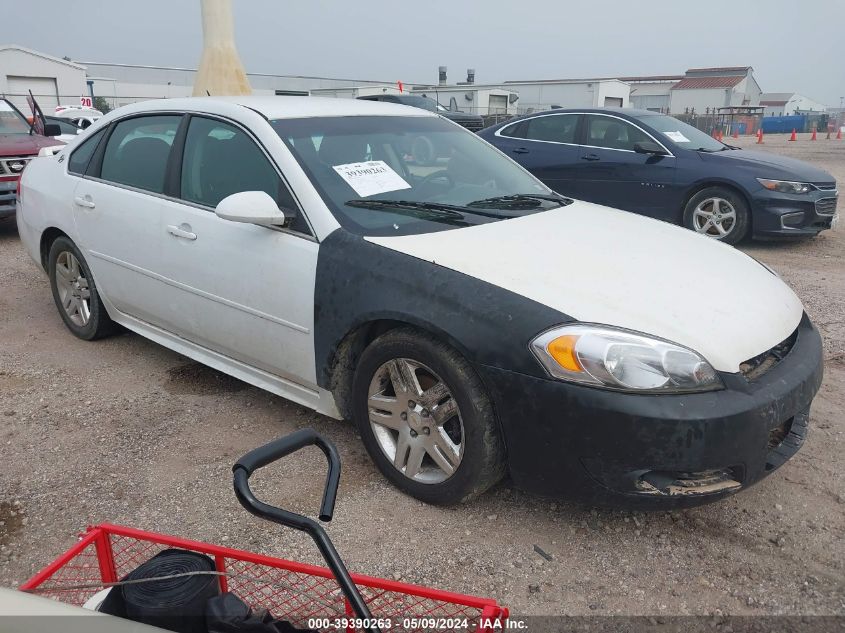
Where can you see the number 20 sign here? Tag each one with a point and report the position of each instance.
(86, 102)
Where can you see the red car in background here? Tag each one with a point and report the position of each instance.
(18, 145)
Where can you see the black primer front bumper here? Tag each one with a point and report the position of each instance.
(656, 451)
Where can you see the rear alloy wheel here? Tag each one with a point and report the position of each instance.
(719, 213)
(75, 293)
(426, 418)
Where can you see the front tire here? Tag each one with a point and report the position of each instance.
(426, 419)
(719, 213)
(75, 293)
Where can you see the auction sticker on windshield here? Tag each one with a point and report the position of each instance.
(677, 137)
(372, 177)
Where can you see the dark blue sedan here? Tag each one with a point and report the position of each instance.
(658, 166)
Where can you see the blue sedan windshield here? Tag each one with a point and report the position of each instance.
(682, 134)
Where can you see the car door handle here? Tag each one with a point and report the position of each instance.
(520, 150)
(84, 202)
(181, 231)
(591, 157)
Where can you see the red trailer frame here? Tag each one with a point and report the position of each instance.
(290, 590)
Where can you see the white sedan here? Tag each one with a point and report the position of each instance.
(469, 320)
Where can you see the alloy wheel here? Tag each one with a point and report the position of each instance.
(72, 286)
(416, 421)
(714, 217)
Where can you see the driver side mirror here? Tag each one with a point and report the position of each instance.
(649, 147)
(253, 207)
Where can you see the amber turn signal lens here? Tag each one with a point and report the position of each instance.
(562, 349)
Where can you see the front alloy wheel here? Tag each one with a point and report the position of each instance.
(714, 217)
(426, 418)
(719, 213)
(416, 421)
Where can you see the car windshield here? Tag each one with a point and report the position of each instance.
(682, 134)
(400, 175)
(11, 121)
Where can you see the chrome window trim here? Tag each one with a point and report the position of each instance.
(181, 113)
(498, 132)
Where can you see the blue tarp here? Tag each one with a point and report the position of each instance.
(785, 124)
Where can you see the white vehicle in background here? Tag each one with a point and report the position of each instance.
(69, 130)
(81, 117)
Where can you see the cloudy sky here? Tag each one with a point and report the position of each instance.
(793, 46)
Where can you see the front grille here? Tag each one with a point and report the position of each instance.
(755, 367)
(825, 186)
(826, 206)
(13, 165)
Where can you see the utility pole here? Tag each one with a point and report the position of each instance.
(220, 72)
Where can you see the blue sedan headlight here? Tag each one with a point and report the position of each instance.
(785, 186)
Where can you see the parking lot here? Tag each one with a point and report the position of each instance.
(125, 431)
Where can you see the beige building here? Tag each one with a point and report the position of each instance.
(51, 80)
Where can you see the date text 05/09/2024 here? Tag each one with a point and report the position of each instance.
(414, 623)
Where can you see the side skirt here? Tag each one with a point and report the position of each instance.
(318, 399)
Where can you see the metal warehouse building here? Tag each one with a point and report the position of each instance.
(704, 89)
(121, 84)
(788, 103)
(51, 80)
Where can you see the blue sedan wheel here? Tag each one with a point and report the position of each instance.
(719, 213)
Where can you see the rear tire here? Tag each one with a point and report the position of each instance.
(75, 292)
(446, 448)
(719, 213)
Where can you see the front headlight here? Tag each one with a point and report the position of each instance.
(607, 357)
(785, 186)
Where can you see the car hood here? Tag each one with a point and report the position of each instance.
(24, 144)
(601, 265)
(767, 165)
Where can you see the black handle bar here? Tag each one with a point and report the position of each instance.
(275, 450)
(284, 446)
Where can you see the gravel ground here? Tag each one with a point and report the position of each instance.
(125, 431)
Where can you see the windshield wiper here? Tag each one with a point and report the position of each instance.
(520, 201)
(436, 208)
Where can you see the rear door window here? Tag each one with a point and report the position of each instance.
(138, 150)
(557, 128)
(81, 156)
(515, 130)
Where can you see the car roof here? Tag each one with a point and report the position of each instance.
(279, 107)
(623, 112)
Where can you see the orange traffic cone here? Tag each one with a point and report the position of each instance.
(735, 134)
(760, 136)
(813, 137)
(793, 137)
